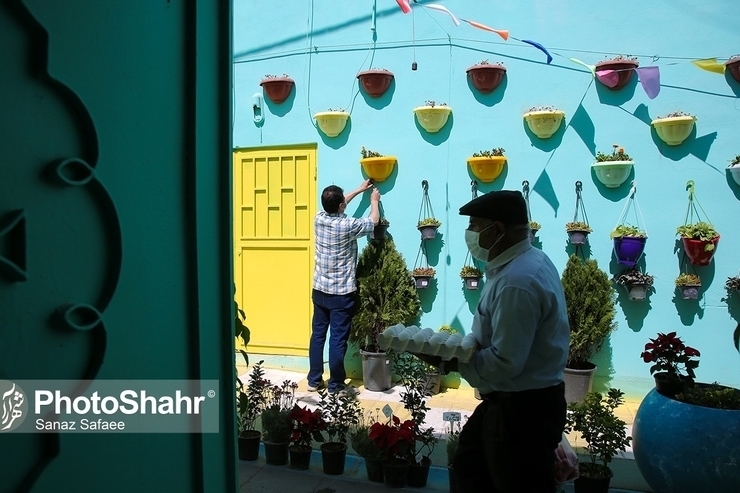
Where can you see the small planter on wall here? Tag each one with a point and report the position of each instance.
(428, 228)
(622, 72)
(331, 123)
(423, 276)
(577, 232)
(733, 65)
(375, 82)
(487, 165)
(612, 173)
(544, 122)
(432, 116)
(735, 167)
(486, 76)
(378, 168)
(674, 128)
(471, 276)
(688, 285)
(637, 284)
(277, 89)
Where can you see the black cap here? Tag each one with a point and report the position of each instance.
(507, 206)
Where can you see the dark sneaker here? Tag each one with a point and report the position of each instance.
(314, 388)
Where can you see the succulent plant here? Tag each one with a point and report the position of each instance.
(634, 276)
(627, 230)
(496, 151)
(429, 221)
(470, 271)
(366, 153)
(684, 279)
(534, 226)
(423, 272)
(578, 226)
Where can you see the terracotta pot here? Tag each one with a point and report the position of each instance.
(486, 77)
(375, 82)
(277, 88)
(695, 250)
(624, 70)
(733, 65)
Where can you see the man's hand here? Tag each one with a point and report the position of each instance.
(375, 196)
(365, 185)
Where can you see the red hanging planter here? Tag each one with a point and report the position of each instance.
(375, 82)
(486, 76)
(623, 67)
(733, 65)
(696, 250)
(277, 89)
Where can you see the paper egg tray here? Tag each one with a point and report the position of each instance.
(426, 341)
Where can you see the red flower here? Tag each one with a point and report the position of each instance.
(670, 355)
(393, 438)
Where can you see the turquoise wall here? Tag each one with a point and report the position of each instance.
(323, 45)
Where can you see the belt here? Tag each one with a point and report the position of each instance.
(498, 396)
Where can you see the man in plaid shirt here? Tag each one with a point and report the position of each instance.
(334, 282)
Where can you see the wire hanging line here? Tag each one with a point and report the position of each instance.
(693, 203)
(635, 206)
(580, 207)
(525, 192)
(425, 211)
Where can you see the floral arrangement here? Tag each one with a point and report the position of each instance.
(307, 426)
(252, 402)
(617, 154)
(496, 151)
(578, 226)
(684, 279)
(669, 354)
(634, 276)
(628, 231)
(393, 438)
(423, 272)
(470, 271)
(429, 221)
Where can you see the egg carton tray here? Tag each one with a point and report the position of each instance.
(426, 341)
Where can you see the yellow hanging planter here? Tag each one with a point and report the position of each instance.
(487, 169)
(544, 123)
(674, 129)
(432, 118)
(378, 168)
(331, 122)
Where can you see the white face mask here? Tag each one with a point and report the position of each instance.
(477, 251)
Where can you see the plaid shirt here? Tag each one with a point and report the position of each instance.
(336, 251)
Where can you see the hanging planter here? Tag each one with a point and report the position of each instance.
(613, 169)
(375, 82)
(486, 76)
(735, 167)
(674, 128)
(543, 121)
(699, 238)
(534, 227)
(427, 224)
(472, 276)
(487, 165)
(432, 116)
(277, 89)
(733, 65)
(629, 244)
(380, 229)
(616, 73)
(332, 122)
(689, 285)
(423, 276)
(577, 232)
(636, 283)
(375, 165)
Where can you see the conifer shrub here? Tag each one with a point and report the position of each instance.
(589, 299)
(387, 294)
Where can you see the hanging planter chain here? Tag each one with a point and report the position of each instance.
(474, 188)
(425, 211)
(632, 201)
(421, 254)
(579, 204)
(525, 192)
(693, 202)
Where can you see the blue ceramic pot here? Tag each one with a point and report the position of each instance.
(683, 448)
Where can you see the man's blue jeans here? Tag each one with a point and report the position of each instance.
(333, 310)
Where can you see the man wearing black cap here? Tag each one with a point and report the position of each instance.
(521, 326)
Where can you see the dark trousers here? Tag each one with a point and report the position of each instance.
(508, 444)
(333, 310)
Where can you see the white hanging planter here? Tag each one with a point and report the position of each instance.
(735, 172)
(675, 129)
(331, 122)
(432, 118)
(612, 173)
(544, 123)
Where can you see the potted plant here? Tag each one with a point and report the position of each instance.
(629, 244)
(612, 169)
(543, 121)
(375, 165)
(733, 65)
(307, 427)
(277, 89)
(674, 128)
(534, 227)
(250, 402)
(453, 429)
(340, 411)
(486, 76)
(276, 422)
(577, 232)
(432, 116)
(637, 283)
(332, 121)
(673, 363)
(386, 296)
(605, 435)
(487, 165)
(734, 166)
(428, 227)
(732, 284)
(364, 447)
(689, 285)
(393, 439)
(699, 242)
(423, 276)
(375, 81)
(589, 300)
(471, 275)
(617, 72)
(691, 439)
(379, 231)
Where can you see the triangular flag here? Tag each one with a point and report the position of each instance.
(710, 65)
(650, 80)
(591, 68)
(539, 47)
(610, 78)
(501, 32)
(440, 8)
(404, 4)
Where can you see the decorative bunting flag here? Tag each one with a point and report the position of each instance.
(610, 78)
(501, 32)
(440, 8)
(710, 65)
(404, 4)
(591, 68)
(650, 80)
(539, 47)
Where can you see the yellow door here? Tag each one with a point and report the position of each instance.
(274, 206)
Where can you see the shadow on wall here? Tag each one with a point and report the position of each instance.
(582, 251)
(549, 144)
(281, 109)
(428, 294)
(614, 194)
(731, 182)
(618, 97)
(380, 102)
(433, 248)
(605, 370)
(436, 138)
(634, 311)
(543, 187)
(584, 127)
(472, 296)
(493, 97)
(338, 141)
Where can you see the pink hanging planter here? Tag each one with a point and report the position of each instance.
(619, 72)
(486, 76)
(375, 82)
(277, 89)
(733, 65)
